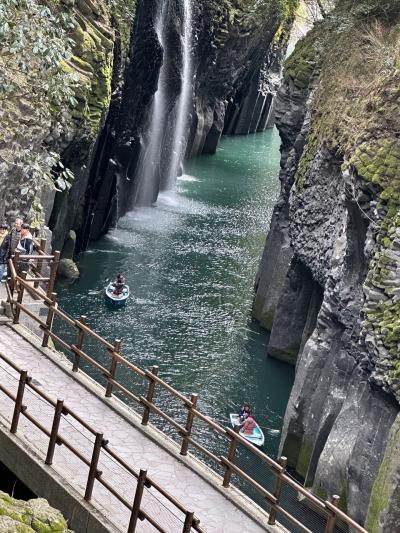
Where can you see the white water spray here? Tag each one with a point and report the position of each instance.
(150, 160)
(185, 97)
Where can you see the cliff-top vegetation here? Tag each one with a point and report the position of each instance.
(350, 62)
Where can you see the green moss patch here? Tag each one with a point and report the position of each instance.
(302, 63)
(304, 458)
(378, 161)
(385, 480)
(30, 516)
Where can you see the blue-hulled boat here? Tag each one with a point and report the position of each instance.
(257, 437)
(116, 300)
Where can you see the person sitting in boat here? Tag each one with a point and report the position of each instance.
(119, 285)
(244, 412)
(249, 425)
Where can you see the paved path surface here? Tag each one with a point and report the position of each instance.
(216, 513)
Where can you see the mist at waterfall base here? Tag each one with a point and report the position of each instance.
(191, 262)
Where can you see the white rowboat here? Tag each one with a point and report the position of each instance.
(257, 437)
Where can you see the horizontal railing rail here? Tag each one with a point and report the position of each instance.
(328, 509)
(42, 266)
(21, 407)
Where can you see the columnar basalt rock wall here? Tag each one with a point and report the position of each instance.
(116, 57)
(92, 44)
(328, 283)
(237, 51)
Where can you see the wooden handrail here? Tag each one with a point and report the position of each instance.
(216, 427)
(163, 415)
(124, 390)
(204, 450)
(41, 257)
(264, 492)
(325, 508)
(304, 492)
(174, 392)
(90, 360)
(292, 519)
(344, 517)
(150, 482)
(100, 443)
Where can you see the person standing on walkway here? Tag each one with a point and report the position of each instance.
(25, 247)
(5, 241)
(15, 235)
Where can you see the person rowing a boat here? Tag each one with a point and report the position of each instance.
(244, 412)
(119, 284)
(249, 424)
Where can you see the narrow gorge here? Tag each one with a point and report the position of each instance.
(106, 106)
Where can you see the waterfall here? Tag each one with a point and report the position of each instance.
(149, 164)
(185, 97)
(150, 168)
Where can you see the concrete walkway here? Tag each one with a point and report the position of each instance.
(216, 513)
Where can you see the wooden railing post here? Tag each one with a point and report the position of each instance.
(39, 264)
(79, 344)
(189, 424)
(54, 431)
(12, 269)
(20, 297)
(137, 501)
(49, 320)
(53, 273)
(18, 401)
(187, 526)
(16, 260)
(93, 472)
(149, 397)
(231, 457)
(277, 491)
(113, 367)
(330, 524)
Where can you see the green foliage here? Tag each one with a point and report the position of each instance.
(34, 87)
(34, 42)
(123, 12)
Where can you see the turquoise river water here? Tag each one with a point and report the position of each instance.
(190, 262)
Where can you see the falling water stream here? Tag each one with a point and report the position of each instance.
(152, 168)
(185, 98)
(149, 164)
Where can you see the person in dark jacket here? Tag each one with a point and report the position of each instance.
(25, 247)
(5, 244)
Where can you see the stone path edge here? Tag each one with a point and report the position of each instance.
(238, 498)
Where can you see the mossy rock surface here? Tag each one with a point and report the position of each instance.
(354, 105)
(354, 96)
(385, 487)
(36, 515)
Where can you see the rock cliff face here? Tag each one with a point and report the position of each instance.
(36, 515)
(237, 48)
(112, 62)
(60, 70)
(328, 286)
